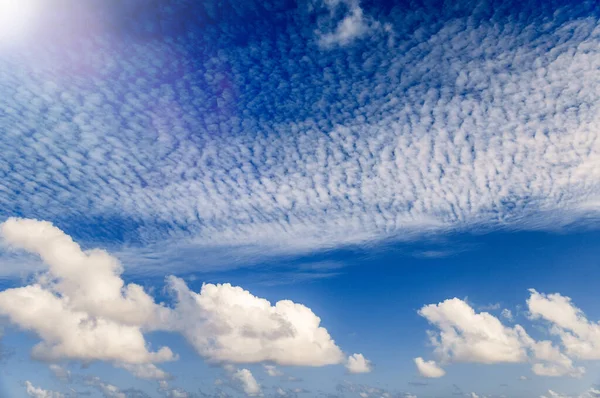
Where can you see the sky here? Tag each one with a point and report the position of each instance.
(318, 198)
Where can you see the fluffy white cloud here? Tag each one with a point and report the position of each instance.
(91, 280)
(352, 26)
(66, 333)
(556, 364)
(357, 363)
(36, 392)
(579, 336)
(81, 309)
(429, 369)
(467, 336)
(228, 324)
(244, 379)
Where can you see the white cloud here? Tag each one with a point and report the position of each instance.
(507, 314)
(352, 26)
(368, 148)
(357, 363)
(556, 363)
(36, 392)
(228, 324)
(579, 336)
(90, 279)
(81, 309)
(467, 336)
(60, 372)
(147, 371)
(272, 370)
(223, 322)
(163, 387)
(246, 382)
(429, 369)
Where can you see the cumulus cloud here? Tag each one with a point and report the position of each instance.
(228, 324)
(246, 382)
(555, 363)
(429, 369)
(357, 363)
(81, 309)
(224, 323)
(579, 336)
(36, 392)
(467, 336)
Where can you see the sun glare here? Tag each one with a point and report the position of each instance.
(16, 19)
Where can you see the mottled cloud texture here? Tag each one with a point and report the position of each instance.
(221, 130)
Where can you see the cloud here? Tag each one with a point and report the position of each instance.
(81, 308)
(228, 324)
(366, 391)
(246, 382)
(591, 393)
(60, 372)
(352, 26)
(147, 371)
(36, 392)
(225, 323)
(579, 336)
(357, 363)
(108, 390)
(429, 369)
(172, 392)
(257, 150)
(467, 336)
(272, 370)
(507, 314)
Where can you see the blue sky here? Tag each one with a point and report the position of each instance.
(335, 198)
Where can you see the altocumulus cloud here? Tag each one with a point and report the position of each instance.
(82, 310)
(238, 133)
